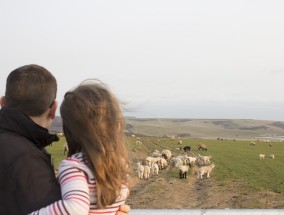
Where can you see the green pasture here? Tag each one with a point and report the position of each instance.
(234, 160)
(56, 150)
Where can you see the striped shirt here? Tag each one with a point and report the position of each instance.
(78, 188)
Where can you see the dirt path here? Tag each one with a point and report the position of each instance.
(173, 193)
(165, 192)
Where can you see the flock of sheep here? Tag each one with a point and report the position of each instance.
(262, 156)
(200, 165)
(158, 161)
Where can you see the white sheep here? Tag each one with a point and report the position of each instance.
(167, 154)
(190, 160)
(138, 142)
(206, 159)
(140, 170)
(155, 169)
(183, 171)
(199, 160)
(163, 163)
(205, 170)
(156, 154)
(184, 158)
(271, 156)
(147, 171)
(176, 162)
(261, 156)
(65, 148)
(152, 160)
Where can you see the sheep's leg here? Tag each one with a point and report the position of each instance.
(208, 176)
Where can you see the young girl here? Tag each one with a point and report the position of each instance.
(94, 177)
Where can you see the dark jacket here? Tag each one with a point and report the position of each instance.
(27, 179)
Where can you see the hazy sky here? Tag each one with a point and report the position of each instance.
(183, 58)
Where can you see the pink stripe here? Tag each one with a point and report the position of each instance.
(72, 159)
(72, 177)
(76, 198)
(103, 211)
(53, 206)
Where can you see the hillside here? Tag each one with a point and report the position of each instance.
(199, 128)
(206, 128)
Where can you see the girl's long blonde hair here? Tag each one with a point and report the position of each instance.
(93, 124)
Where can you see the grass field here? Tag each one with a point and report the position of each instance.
(234, 160)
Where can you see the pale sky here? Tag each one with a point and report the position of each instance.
(174, 59)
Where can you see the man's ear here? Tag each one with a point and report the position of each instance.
(53, 108)
(2, 101)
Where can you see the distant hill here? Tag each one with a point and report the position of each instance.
(198, 128)
(56, 126)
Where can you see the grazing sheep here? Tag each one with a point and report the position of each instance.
(167, 154)
(205, 170)
(138, 142)
(270, 144)
(202, 147)
(65, 148)
(152, 160)
(203, 160)
(155, 169)
(163, 163)
(60, 134)
(147, 172)
(156, 154)
(261, 156)
(140, 170)
(271, 156)
(179, 142)
(187, 148)
(252, 143)
(176, 162)
(206, 159)
(183, 171)
(191, 160)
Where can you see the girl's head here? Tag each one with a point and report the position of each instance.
(93, 124)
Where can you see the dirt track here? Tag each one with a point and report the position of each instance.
(163, 192)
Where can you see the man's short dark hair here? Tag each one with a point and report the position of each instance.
(31, 89)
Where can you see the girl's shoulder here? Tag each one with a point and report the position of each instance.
(78, 161)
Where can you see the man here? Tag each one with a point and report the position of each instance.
(27, 179)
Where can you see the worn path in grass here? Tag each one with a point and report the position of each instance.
(164, 192)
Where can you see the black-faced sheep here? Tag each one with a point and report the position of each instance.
(183, 171)
(167, 154)
(187, 148)
(163, 163)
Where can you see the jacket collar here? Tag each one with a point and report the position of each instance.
(16, 121)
